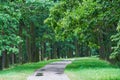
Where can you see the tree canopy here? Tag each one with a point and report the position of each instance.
(35, 30)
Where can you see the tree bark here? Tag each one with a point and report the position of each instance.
(76, 48)
(102, 48)
(70, 53)
(28, 49)
(0, 62)
(4, 60)
(42, 50)
(13, 59)
(55, 51)
(20, 55)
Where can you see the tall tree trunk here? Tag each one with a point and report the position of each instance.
(82, 50)
(0, 62)
(70, 53)
(13, 59)
(34, 49)
(76, 48)
(40, 54)
(37, 55)
(5, 60)
(20, 55)
(108, 43)
(52, 51)
(58, 52)
(28, 49)
(101, 43)
(42, 50)
(55, 51)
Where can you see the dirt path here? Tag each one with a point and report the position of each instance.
(53, 71)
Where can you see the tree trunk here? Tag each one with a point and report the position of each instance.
(102, 48)
(13, 59)
(58, 52)
(20, 45)
(82, 50)
(70, 53)
(28, 49)
(52, 51)
(40, 54)
(4, 60)
(55, 51)
(42, 50)
(0, 62)
(108, 44)
(20, 54)
(76, 48)
(34, 49)
(36, 55)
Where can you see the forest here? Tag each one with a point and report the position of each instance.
(39, 30)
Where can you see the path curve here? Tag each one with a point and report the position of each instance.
(53, 71)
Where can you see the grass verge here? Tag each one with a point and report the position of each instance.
(90, 68)
(21, 72)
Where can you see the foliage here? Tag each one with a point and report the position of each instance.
(116, 49)
(87, 20)
(33, 15)
(9, 19)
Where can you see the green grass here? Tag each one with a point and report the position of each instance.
(92, 69)
(21, 72)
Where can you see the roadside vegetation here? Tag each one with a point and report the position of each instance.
(91, 68)
(21, 72)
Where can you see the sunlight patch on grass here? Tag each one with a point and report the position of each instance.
(95, 74)
(92, 69)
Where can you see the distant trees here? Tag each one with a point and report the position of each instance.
(71, 21)
(91, 22)
(31, 24)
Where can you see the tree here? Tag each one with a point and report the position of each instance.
(9, 39)
(92, 21)
(32, 23)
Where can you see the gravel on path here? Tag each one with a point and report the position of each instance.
(53, 71)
